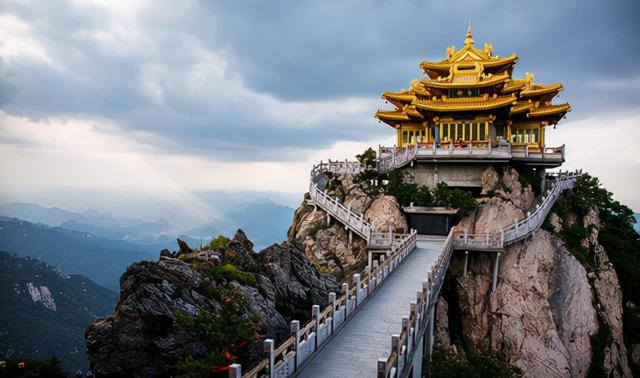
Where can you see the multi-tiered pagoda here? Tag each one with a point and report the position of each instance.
(471, 98)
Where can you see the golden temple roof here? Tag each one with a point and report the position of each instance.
(547, 110)
(538, 89)
(520, 107)
(473, 80)
(464, 103)
(392, 115)
(467, 80)
(469, 54)
(399, 98)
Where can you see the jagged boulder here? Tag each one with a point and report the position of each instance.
(507, 187)
(385, 213)
(183, 247)
(490, 217)
(143, 337)
(292, 281)
(490, 179)
(239, 252)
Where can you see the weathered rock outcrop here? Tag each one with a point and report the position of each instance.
(144, 337)
(509, 202)
(327, 245)
(385, 213)
(540, 318)
(547, 307)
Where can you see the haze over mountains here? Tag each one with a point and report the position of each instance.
(101, 245)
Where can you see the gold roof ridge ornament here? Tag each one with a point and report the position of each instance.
(469, 38)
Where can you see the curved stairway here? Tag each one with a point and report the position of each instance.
(333, 207)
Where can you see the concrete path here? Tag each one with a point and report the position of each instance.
(355, 350)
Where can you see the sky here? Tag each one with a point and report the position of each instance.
(167, 98)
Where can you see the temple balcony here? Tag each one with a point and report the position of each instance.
(391, 158)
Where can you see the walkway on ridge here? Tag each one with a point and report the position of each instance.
(354, 351)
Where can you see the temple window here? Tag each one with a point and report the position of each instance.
(411, 136)
(528, 135)
(464, 131)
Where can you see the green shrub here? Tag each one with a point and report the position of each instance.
(229, 336)
(219, 243)
(369, 174)
(423, 197)
(402, 190)
(209, 291)
(454, 199)
(229, 272)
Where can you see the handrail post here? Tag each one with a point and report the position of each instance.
(382, 368)
(395, 347)
(345, 291)
(295, 332)
(315, 314)
(268, 351)
(235, 371)
(356, 283)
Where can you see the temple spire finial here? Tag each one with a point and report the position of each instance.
(469, 39)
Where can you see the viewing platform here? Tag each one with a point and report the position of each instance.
(391, 158)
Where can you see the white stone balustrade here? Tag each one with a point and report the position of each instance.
(290, 356)
(391, 158)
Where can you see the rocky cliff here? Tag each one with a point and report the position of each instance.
(181, 313)
(549, 311)
(327, 244)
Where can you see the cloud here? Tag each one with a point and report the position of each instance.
(223, 86)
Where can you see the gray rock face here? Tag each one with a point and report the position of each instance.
(294, 283)
(541, 316)
(144, 337)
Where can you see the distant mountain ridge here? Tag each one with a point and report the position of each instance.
(45, 313)
(73, 252)
(264, 220)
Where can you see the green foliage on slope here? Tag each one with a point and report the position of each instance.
(619, 239)
(219, 243)
(228, 336)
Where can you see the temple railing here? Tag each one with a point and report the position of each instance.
(519, 229)
(390, 158)
(305, 340)
(404, 344)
